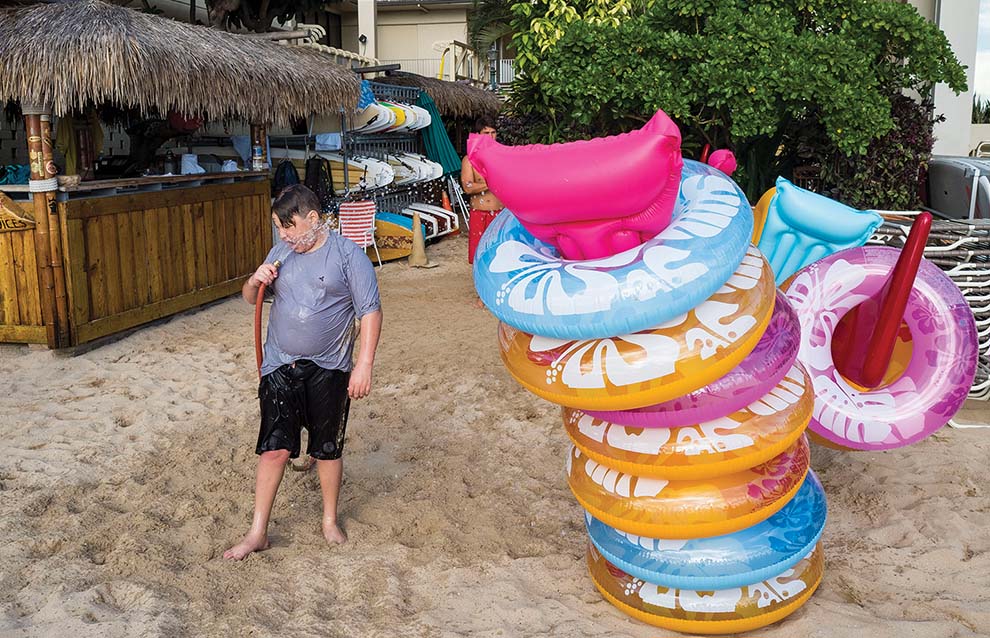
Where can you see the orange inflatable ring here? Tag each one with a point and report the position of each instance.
(658, 508)
(723, 611)
(749, 437)
(651, 366)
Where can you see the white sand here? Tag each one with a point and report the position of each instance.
(129, 469)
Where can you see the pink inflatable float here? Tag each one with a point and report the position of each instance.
(941, 368)
(724, 160)
(756, 376)
(590, 199)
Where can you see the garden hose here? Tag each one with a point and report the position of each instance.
(258, 303)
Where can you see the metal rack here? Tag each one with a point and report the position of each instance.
(962, 250)
(378, 145)
(394, 93)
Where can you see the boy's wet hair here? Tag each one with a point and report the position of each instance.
(482, 123)
(295, 199)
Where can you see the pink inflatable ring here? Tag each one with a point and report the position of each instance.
(757, 375)
(937, 378)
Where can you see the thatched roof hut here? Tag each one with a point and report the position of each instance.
(453, 99)
(68, 55)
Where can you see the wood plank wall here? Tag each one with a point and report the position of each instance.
(20, 304)
(135, 258)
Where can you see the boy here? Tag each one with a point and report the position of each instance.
(307, 377)
(484, 205)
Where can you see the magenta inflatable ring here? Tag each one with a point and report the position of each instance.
(937, 378)
(751, 380)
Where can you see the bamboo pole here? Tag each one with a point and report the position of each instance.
(55, 234)
(46, 231)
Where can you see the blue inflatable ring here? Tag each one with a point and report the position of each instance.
(720, 562)
(529, 286)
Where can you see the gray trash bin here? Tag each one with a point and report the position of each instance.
(959, 187)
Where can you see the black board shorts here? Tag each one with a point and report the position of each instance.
(304, 395)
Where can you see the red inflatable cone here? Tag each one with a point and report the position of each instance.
(865, 338)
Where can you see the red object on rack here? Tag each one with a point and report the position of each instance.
(865, 338)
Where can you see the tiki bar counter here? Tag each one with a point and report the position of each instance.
(129, 252)
(83, 257)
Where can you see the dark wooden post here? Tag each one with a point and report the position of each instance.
(259, 147)
(47, 232)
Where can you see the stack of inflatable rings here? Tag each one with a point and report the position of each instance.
(676, 365)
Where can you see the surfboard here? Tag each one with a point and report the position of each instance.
(431, 225)
(453, 224)
(393, 235)
(364, 117)
(411, 117)
(400, 116)
(426, 168)
(423, 118)
(386, 121)
(372, 173)
(445, 219)
(405, 173)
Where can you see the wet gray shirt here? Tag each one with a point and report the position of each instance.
(318, 296)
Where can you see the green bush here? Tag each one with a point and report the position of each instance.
(770, 79)
(981, 110)
(888, 175)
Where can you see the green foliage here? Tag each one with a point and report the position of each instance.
(887, 176)
(488, 22)
(762, 77)
(981, 110)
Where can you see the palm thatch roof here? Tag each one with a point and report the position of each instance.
(453, 99)
(71, 54)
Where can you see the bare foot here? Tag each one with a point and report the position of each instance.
(333, 533)
(478, 303)
(248, 545)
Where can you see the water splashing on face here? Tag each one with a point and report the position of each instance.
(305, 241)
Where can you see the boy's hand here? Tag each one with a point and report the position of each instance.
(360, 383)
(265, 274)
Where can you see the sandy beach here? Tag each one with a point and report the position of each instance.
(128, 470)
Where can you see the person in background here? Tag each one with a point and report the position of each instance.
(79, 138)
(483, 203)
(308, 379)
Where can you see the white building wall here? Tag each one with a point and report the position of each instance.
(925, 7)
(959, 20)
(409, 35)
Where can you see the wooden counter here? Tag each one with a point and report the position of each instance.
(137, 250)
